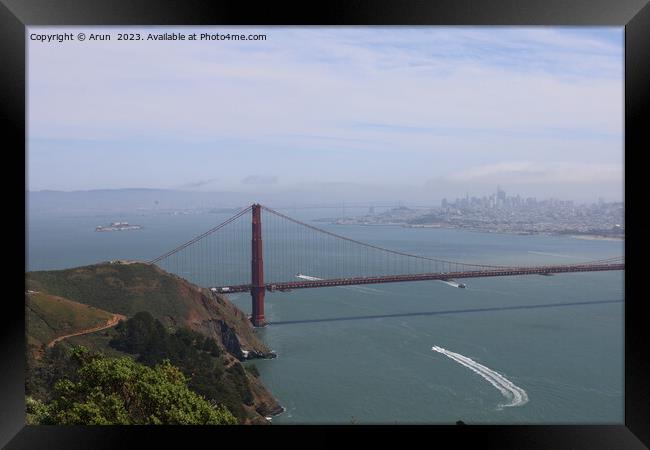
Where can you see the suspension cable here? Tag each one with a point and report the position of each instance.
(198, 238)
(373, 246)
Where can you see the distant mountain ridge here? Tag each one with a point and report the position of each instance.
(129, 199)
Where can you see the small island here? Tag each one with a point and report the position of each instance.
(118, 226)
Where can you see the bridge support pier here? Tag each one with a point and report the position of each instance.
(257, 317)
(257, 270)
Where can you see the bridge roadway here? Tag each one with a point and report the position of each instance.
(500, 272)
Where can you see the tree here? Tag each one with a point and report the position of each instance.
(211, 346)
(198, 357)
(123, 392)
(140, 334)
(43, 372)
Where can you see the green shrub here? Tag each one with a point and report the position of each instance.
(109, 391)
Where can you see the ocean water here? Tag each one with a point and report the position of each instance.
(513, 350)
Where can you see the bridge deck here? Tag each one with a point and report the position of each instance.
(504, 272)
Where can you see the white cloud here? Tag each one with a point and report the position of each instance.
(309, 78)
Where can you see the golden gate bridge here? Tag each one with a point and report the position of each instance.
(231, 256)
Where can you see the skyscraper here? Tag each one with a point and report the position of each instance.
(501, 196)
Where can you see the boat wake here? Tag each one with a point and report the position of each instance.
(349, 288)
(453, 283)
(516, 395)
(307, 277)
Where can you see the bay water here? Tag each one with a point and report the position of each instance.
(364, 354)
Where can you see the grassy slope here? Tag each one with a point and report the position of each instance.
(130, 288)
(121, 288)
(49, 316)
(98, 340)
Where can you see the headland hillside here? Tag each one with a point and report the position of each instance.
(137, 310)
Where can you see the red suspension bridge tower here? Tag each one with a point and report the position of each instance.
(257, 269)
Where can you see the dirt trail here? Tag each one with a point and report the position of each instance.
(111, 323)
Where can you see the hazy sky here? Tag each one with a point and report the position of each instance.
(374, 112)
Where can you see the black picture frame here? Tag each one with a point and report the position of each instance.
(634, 15)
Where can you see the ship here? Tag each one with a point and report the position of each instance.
(118, 226)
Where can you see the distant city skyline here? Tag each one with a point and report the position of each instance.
(501, 194)
(400, 113)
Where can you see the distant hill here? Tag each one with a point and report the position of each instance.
(82, 297)
(122, 200)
